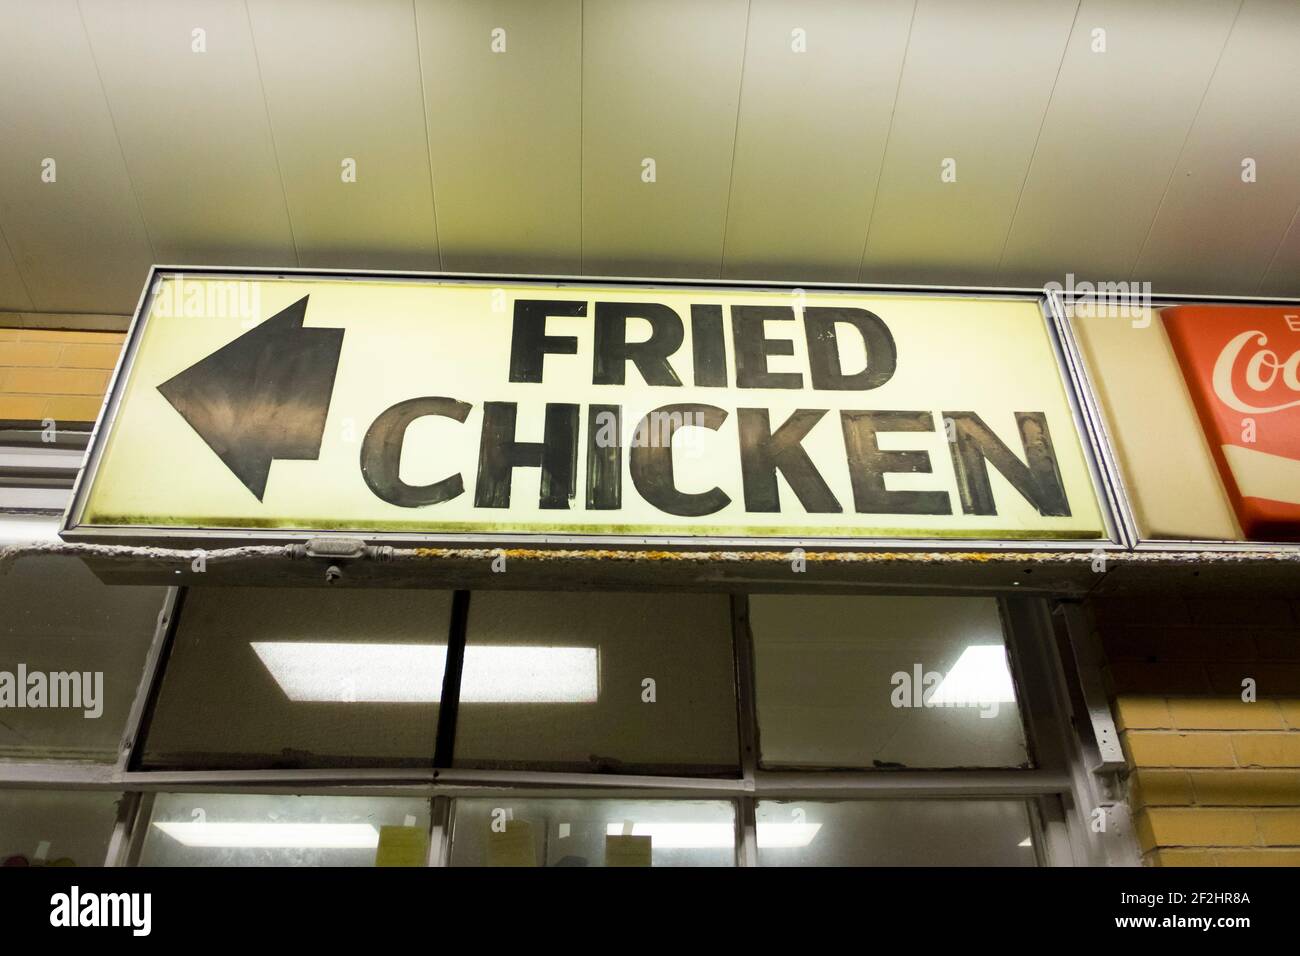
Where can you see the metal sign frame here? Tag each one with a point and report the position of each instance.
(1102, 470)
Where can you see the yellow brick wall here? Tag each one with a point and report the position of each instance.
(1213, 780)
(53, 374)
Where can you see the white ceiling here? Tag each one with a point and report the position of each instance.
(823, 165)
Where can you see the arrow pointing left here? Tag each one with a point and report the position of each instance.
(262, 396)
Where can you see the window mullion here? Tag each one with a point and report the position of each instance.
(449, 702)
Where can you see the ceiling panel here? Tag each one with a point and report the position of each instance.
(505, 132)
(78, 240)
(342, 82)
(193, 129)
(660, 81)
(811, 136)
(976, 82)
(1111, 137)
(1213, 228)
(770, 163)
(1283, 276)
(13, 294)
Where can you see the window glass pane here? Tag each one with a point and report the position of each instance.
(265, 677)
(502, 831)
(209, 829)
(895, 833)
(598, 682)
(72, 653)
(55, 828)
(883, 682)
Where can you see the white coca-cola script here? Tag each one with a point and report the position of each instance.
(1262, 369)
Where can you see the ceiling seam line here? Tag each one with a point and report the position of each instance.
(22, 280)
(117, 136)
(1182, 149)
(735, 139)
(1033, 154)
(582, 125)
(270, 129)
(1280, 243)
(889, 132)
(428, 146)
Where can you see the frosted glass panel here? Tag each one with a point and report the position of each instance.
(884, 683)
(208, 829)
(62, 629)
(508, 832)
(895, 833)
(55, 828)
(598, 682)
(285, 677)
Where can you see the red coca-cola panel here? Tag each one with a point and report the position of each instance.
(1242, 366)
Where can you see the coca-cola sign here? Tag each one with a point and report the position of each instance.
(1242, 367)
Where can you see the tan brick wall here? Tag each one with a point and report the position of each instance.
(57, 375)
(1213, 780)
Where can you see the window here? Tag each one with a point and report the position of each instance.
(577, 729)
(74, 651)
(612, 682)
(222, 829)
(504, 831)
(895, 833)
(273, 678)
(884, 683)
(55, 828)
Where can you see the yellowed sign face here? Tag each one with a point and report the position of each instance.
(515, 408)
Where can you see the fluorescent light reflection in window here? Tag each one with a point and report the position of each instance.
(330, 836)
(710, 835)
(412, 673)
(979, 676)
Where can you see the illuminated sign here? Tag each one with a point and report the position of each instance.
(491, 408)
(1242, 367)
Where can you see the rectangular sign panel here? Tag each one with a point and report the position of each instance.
(1242, 367)
(1202, 403)
(505, 408)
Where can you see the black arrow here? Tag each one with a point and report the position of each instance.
(262, 396)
